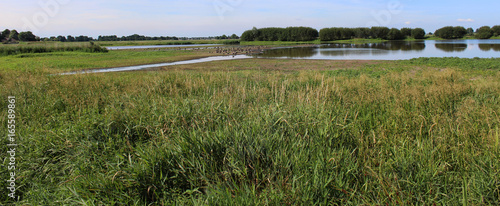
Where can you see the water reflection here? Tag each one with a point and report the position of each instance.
(446, 47)
(352, 51)
(393, 50)
(488, 47)
(343, 49)
(392, 45)
(296, 52)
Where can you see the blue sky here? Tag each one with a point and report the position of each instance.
(216, 17)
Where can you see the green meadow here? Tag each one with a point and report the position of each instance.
(251, 132)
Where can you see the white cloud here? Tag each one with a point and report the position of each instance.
(408, 22)
(465, 20)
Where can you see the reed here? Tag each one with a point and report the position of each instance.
(257, 132)
(6, 50)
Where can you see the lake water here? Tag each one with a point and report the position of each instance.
(392, 50)
(157, 46)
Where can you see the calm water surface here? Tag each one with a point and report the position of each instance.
(392, 50)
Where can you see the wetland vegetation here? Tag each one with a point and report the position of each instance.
(252, 131)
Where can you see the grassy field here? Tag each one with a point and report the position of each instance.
(252, 132)
(56, 62)
(37, 48)
(167, 42)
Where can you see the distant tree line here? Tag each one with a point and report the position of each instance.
(329, 34)
(233, 36)
(134, 37)
(7, 36)
(69, 38)
(458, 32)
(280, 34)
(338, 33)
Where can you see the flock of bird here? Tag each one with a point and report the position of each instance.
(239, 50)
(228, 50)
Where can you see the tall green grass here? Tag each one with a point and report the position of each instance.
(57, 62)
(167, 42)
(385, 134)
(6, 50)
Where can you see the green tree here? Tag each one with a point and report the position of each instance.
(418, 33)
(61, 38)
(70, 38)
(325, 34)
(14, 35)
(449, 32)
(5, 33)
(470, 31)
(300, 33)
(459, 32)
(27, 36)
(496, 30)
(485, 32)
(395, 34)
(346, 33)
(445, 32)
(255, 32)
(337, 33)
(247, 36)
(361, 32)
(378, 32)
(234, 36)
(406, 31)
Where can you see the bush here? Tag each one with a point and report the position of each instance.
(247, 36)
(449, 32)
(27, 36)
(485, 32)
(496, 30)
(395, 34)
(406, 31)
(418, 33)
(21, 49)
(379, 32)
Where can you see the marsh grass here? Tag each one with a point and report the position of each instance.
(393, 133)
(57, 62)
(13, 49)
(168, 42)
